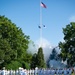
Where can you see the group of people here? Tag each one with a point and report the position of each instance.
(37, 71)
(56, 72)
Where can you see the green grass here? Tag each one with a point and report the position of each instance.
(73, 73)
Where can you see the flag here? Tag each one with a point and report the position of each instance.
(43, 5)
(39, 26)
(44, 26)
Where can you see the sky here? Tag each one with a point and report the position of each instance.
(26, 15)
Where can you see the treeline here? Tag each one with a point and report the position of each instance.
(13, 46)
(67, 47)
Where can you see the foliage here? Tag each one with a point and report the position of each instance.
(68, 46)
(40, 58)
(25, 65)
(53, 56)
(13, 43)
(34, 61)
(13, 65)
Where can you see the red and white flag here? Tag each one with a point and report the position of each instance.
(43, 5)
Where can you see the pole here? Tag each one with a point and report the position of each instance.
(40, 25)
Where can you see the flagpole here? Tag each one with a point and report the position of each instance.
(40, 24)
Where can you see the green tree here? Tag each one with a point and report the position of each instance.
(53, 55)
(40, 58)
(68, 46)
(34, 61)
(13, 42)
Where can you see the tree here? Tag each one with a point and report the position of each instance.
(68, 46)
(40, 58)
(34, 61)
(53, 56)
(13, 42)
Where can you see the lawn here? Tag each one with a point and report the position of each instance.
(73, 73)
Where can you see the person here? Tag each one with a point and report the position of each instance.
(69, 71)
(3, 72)
(30, 71)
(52, 72)
(10, 72)
(16, 72)
(35, 71)
(40, 71)
(48, 71)
(65, 71)
(25, 72)
(60, 72)
(57, 71)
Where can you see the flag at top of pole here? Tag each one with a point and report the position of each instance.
(43, 5)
